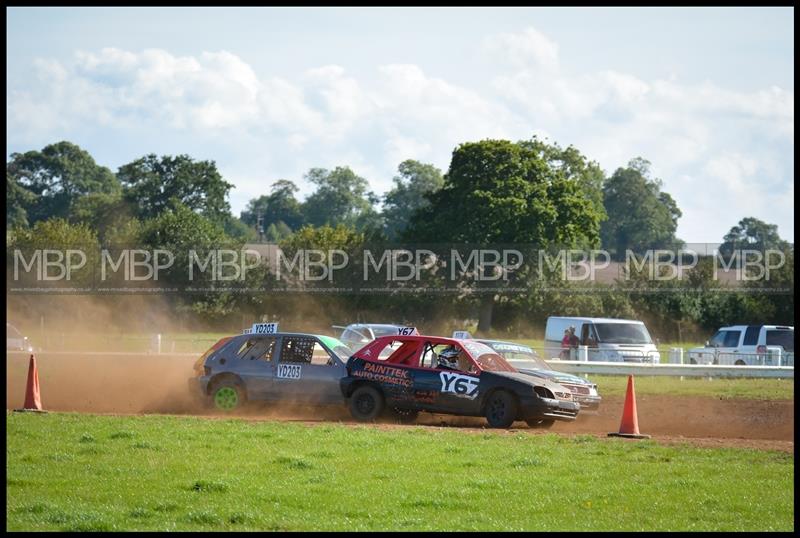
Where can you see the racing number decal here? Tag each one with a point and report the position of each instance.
(264, 328)
(289, 371)
(407, 331)
(461, 385)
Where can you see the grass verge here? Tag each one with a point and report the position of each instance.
(88, 472)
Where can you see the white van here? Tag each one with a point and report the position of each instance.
(607, 339)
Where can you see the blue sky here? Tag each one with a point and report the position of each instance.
(707, 95)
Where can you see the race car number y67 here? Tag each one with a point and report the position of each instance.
(460, 385)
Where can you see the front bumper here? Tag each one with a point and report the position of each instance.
(587, 402)
(536, 408)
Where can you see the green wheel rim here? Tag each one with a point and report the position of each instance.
(226, 398)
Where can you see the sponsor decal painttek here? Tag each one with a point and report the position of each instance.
(289, 371)
(464, 386)
(384, 374)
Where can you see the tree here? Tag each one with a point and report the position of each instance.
(640, 215)
(47, 183)
(411, 187)
(341, 197)
(18, 200)
(280, 206)
(575, 167)
(497, 191)
(179, 230)
(58, 235)
(153, 184)
(754, 234)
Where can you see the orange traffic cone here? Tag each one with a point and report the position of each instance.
(629, 427)
(33, 400)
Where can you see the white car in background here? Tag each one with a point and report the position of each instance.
(357, 335)
(15, 341)
(755, 345)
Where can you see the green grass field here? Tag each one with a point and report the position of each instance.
(725, 389)
(85, 472)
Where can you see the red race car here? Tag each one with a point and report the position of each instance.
(444, 375)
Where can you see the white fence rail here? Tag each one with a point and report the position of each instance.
(682, 370)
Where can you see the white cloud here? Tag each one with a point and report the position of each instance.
(528, 49)
(711, 145)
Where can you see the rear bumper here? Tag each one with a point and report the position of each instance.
(198, 385)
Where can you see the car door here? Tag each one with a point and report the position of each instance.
(725, 345)
(455, 389)
(253, 361)
(307, 371)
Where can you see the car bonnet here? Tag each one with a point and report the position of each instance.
(533, 381)
(558, 377)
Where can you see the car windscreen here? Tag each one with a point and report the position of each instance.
(781, 338)
(487, 358)
(622, 333)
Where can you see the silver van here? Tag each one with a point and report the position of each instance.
(607, 339)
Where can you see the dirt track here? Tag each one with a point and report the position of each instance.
(154, 385)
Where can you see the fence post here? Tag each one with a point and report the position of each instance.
(157, 343)
(583, 353)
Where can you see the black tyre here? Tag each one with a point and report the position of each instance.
(405, 416)
(692, 361)
(366, 403)
(541, 424)
(227, 396)
(501, 409)
(740, 362)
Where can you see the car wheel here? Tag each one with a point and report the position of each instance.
(501, 409)
(406, 416)
(692, 361)
(740, 362)
(541, 424)
(228, 396)
(366, 403)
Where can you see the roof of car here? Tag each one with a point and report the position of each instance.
(779, 327)
(329, 341)
(599, 320)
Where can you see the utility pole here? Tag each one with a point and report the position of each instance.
(260, 227)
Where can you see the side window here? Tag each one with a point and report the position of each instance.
(751, 335)
(349, 335)
(245, 347)
(781, 338)
(360, 335)
(256, 349)
(732, 339)
(430, 357)
(718, 339)
(320, 356)
(585, 334)
(297, 349)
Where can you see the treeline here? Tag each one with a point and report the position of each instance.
(494, 192)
